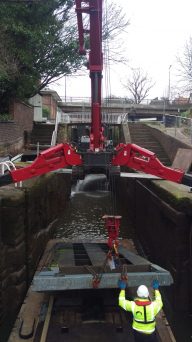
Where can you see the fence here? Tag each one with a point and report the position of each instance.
(111, 101)
(85, 117)
(179, 127)
(122, 101)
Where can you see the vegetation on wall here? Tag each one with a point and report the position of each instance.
(5, 117)
(45, 112)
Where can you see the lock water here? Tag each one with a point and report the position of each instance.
(89, 201)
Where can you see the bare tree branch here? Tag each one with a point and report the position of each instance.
(114, 24)
(185, 63)
(138, 85)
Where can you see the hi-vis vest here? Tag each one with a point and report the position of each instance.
(143, 310)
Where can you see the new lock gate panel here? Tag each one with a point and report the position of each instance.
(70, 266)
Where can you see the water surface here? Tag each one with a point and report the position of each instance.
(82, 218)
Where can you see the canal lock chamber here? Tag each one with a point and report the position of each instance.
(155, 214)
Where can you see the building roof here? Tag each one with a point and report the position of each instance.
(51, 92)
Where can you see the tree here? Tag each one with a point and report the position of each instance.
(185, 63)
(37, 46)
(138, 85)
(115, 24)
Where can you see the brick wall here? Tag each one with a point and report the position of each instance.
(22, 115)
(50, 103)
(13, 133)
(11, 138)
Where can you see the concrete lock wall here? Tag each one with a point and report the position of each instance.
(161, 213)
(27, 217)
(170, 144)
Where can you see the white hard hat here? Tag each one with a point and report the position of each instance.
(142, 291)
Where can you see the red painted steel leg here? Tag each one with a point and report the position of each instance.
(140, 159)
(54, 158)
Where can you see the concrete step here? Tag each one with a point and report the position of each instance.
(41, 141)
(138, 139)
(41, 147)
(42, 134)
(141, 136)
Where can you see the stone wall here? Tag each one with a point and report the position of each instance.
(161, 213)
(27, 217)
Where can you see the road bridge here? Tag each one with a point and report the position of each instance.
(134, 111)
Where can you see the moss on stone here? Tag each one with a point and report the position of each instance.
(12, 196)
(36, 182)
(176, 195)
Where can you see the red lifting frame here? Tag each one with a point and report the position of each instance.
(95, 63)
(112, 224)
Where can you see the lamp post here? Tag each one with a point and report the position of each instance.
(65, 88)
(169, 85)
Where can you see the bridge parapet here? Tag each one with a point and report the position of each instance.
(121, 102)
(121, 107)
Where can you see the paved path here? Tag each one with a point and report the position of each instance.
(176, 133)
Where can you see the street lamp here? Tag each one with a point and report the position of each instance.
(169, 86)
(65, 88)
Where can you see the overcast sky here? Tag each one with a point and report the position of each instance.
(157, 34)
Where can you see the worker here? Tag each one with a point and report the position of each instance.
(143, 309)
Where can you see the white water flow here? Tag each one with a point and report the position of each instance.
(92, 182)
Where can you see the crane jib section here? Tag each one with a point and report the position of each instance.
(93, 34)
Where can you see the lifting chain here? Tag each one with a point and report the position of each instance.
(124, 275)
(97, 276)
(112, 224)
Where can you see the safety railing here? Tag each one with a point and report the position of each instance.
(85, 117)
(54, 134)
(106, 102)
(120, 101)
(178, 126)
(9, 165)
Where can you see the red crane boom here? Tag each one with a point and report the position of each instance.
(95, 63)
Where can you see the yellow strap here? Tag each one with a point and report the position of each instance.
(47, 320)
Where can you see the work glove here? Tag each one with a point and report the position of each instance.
(122, 284)
(155, 284)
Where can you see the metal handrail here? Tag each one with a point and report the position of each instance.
(110, 101)
(7, 164)
(85, 117)
(54, 134)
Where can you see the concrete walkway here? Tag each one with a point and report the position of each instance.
(175, 133)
